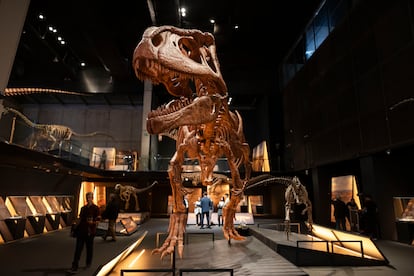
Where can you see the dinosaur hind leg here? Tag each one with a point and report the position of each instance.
(287, 211)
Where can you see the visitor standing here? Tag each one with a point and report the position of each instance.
(185, 201)
(197, 211)
(226, 199)
(111, 213)
(369, 217)
(102, 163)
(352, 214)
(89, 217)
(210, 212)
(220, 206)
(340, 211)
(206, 205)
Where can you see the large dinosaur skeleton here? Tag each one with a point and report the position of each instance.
(183, 60)
(56, 133)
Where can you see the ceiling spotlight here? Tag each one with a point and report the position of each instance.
(388, 151)
(212, 21)
(183, 12)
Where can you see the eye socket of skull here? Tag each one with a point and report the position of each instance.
(156, 40)
(189, 47)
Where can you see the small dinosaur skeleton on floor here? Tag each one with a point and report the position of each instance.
(126, 191)
(295, 193)
(56, 133)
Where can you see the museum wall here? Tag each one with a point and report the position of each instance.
(384, 176)
(343, 103)
(24, 182)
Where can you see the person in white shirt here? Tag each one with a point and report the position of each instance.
(226, 200)
(220, 206)
(197, 211)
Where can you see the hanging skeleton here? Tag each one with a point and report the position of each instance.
(55, 133)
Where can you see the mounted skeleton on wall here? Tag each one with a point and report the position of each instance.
(50, 132)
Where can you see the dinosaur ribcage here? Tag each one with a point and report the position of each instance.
(58, 132)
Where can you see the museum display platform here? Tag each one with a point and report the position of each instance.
(52, 254)
(321, 247)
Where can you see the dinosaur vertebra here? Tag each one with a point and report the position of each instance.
(200, 121)
(57, 133)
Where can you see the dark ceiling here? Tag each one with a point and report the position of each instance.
(103, 34)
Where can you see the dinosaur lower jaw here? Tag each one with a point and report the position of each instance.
(202, 110)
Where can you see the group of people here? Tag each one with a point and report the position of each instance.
(204, 209)
(367, 216)
(88, 220)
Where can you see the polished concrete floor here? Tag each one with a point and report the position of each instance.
(51, 254)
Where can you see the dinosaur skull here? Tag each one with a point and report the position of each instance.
(181, 60)
(174, 56)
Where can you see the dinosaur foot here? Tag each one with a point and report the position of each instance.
(230, 233)
(229, 230)
(176, 230)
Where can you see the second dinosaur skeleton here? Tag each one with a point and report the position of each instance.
(126, 191)
(295, 193)
(57, 133)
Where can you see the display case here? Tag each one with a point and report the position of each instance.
(11, 226)
(17, 209)
(35, 222)
(59, 210)
(65, 203)
(404, 218)
(404, 209)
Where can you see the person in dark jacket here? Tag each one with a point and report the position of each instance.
(206, 206)
(369, 218)
(89, 218)
(111, 213)
(102, 163)
(340, 211)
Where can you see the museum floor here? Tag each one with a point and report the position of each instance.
(51, 254)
